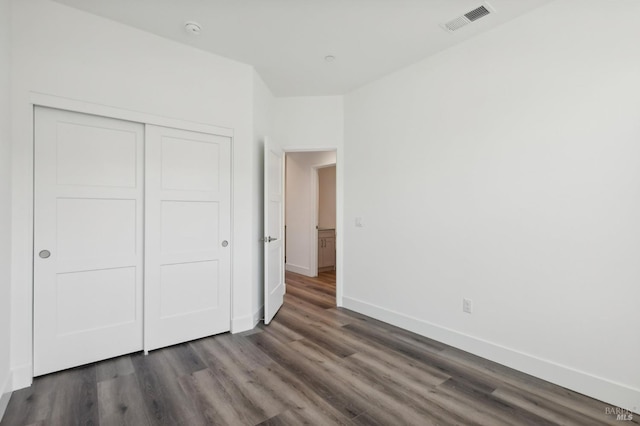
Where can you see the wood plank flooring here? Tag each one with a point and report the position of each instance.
(314, 364)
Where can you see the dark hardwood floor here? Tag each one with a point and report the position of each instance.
(314, 364)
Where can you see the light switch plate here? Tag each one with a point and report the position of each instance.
(467, 305)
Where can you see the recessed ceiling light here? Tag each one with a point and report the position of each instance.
(192, 28)
(329, 58)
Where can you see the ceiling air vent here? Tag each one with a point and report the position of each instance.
(469, 17)
(478, 13)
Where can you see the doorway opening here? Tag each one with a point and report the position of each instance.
(310, 224)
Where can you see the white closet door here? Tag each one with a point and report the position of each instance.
(88, 239)
(187, 236)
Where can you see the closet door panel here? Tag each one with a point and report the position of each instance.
(187, 236)
(88, 230)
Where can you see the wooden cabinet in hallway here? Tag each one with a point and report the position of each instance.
(326, 250)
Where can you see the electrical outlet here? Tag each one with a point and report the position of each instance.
(467, 305)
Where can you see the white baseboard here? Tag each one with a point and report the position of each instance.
(5, 394)
(258, 316)
(298, 270)
(596, 387)
(22, 376)
(247, 322)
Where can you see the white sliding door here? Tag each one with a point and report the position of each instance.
(187, 236)
(88, 248)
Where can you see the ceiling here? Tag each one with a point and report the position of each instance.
(287, 40)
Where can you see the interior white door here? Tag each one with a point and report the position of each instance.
(187, 236)
(274, 286)
(87, 239)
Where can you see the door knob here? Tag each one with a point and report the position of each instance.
(225, 243)
(268, 239)
(44, 254)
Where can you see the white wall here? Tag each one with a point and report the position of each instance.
(506, 170)
(327, 197)
(64, 52)
(309, 122)
(300, 192)
(5, 204)
(263, 127)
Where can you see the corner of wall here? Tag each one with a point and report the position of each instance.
(263, 128)
(247, 322)
(298, 270)
(22, 377)
(5, 395)
(6, 382)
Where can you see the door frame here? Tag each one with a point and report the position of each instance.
(315, 206)
(22, 375)
(339, 212)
